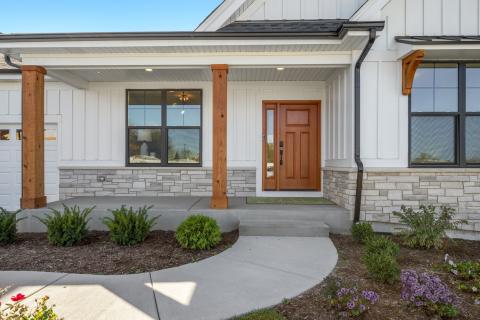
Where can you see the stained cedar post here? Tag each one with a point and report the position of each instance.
(219, 170)
(33, 168)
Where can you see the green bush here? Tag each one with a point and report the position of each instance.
(198, 232)
(362, 231)
(129, 227)
(67, 228)
(8, 226)
(382, 244)
(20, 311)
(427, 228)
(380, 259)
(382, 266)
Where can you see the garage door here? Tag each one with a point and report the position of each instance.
(10, 166)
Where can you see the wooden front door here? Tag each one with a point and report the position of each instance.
(291, 145)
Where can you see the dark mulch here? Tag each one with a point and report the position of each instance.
(313, 306)
(98, 255)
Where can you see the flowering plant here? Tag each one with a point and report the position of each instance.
(467, 275)
(351, 302)
(429, 292)
(18, 311)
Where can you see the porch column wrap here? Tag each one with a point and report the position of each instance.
(219, 163)
(410, 64)
(33, 167)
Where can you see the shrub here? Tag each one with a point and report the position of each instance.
(198, 232)
(19, 311)
(427, 291)
(129, 227)
(348, 300)
(362, 231)
(382, 244)
(380, 259)
(427, 228)
(8, 226)
(467, 276)
(68, 228)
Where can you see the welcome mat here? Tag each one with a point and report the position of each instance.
(289, 200)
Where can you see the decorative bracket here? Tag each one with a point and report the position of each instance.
(410, 64)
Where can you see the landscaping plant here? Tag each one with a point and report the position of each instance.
(67, 228)
(427, 291)
(380, 258)
(18, 311)
(129, 227)
(362, 231)
(427, 227)
(266, 314)
(8, 226)
(466, 274)
(198, 232)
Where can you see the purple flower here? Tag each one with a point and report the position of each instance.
(362, 308)
(351, 304)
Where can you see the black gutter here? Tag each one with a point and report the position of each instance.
(37, 37)
(9, 62)
(358, 160)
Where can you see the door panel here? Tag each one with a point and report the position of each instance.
(297, 145)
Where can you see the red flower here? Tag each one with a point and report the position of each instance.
(18, 297)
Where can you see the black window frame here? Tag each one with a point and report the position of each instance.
(460, 120)
(164, 132)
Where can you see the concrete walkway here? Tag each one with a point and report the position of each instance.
(257, 272)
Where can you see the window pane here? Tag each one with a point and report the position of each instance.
(432, 140)
(145, 108)
(270, 143)
(473, 88)
(472, 139)
(435, 88)
(145, 145)
(184, 146)
(4, 134)
(183, 108)
(422, 100)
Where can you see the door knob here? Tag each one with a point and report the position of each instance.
(281, 153)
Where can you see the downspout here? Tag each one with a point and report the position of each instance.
(8, 61)
(358, 160)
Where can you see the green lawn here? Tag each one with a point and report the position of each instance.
(267, 314)
(294, 201)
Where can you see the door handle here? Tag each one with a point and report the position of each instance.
(281, 153)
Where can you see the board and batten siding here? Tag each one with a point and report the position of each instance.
(300, 9)
(91, 123)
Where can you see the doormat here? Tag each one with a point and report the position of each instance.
(289, 200)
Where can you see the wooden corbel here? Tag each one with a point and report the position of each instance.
(410, 64)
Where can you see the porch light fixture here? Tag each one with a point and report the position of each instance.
(148, 69)
(280, 69)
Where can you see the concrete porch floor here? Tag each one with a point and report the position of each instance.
(252, 219)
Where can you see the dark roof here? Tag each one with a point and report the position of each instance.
(429, 40)
(285, 26)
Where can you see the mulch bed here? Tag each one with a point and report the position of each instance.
(98, 255)
(312, 305)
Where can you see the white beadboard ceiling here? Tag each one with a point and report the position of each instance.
(203, 74)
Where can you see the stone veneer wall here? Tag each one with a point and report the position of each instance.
(385, 190)
(154, 182)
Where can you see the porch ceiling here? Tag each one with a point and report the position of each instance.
(200, 74)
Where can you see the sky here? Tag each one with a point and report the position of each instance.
(27, 16)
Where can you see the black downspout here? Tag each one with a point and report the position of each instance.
(358, 160)
(8, 61)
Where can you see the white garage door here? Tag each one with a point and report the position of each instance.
(10, 166)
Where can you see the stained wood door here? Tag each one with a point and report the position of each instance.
(295, 143)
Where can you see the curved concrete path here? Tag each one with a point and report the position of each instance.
(257, 272)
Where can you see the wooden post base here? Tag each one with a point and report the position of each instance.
(219, 203)
(34, 203)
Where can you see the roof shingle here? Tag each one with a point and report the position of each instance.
(285, 26)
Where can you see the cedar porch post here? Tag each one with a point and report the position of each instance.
(33, 169)
(219, 170)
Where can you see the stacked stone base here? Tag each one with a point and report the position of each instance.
(152, 182)
(386, 190)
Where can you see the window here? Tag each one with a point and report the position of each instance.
(445, 115)
(164, 127)
(4, 134)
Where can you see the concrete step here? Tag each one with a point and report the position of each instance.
(283, 228)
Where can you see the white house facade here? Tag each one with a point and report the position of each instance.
(372, 104)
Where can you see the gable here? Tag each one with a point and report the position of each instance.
(244, 10)
(300, 9)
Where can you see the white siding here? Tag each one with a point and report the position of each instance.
(338, 115)
(300, 9)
